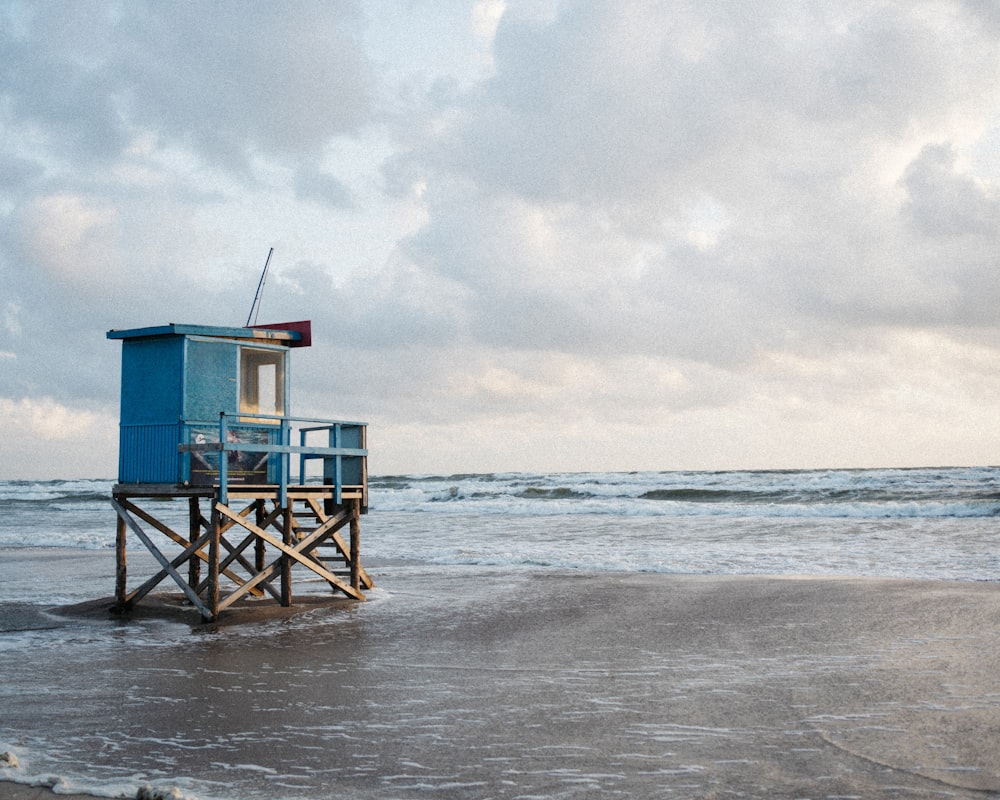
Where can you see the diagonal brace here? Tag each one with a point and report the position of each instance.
(168, 567)
(300, 553)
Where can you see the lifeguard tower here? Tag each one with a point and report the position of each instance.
(205, 417)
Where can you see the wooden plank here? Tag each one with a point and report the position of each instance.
(138, 531)
(341, 545)
(274, 569)
(194, 532)
(214, 534)
(160, 490)
(324, 520)
(265, 575)
(137, 594)
(121, 569)
(177, 538)
(235, 553)
(286, 562)
(297, 553)
(355, 546)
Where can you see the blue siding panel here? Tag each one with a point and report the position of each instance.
(212, 371)
(151, 381)
(148, 453)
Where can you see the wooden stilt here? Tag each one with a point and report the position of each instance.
(356, 545)
(121, 569)
(286, 561)
(285, 539)
(194, 532)
(213, 563)
(168, 567)
(260, 547)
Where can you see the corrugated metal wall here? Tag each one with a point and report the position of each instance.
(148, 453)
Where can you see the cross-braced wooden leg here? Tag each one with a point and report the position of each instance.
(286, 561)
(121, 570)
(356, 545)
(213, 565)
(194, 532)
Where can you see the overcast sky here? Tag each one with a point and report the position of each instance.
(530, 234)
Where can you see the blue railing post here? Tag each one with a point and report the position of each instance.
(302, 456)
(338, 477)
(223, 459)
(284, 460)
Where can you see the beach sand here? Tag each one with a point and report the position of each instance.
(14, 791)
(632, 685)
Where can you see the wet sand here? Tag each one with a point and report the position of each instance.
(582, 684)
(14, 791)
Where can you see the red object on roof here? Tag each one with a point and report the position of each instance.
(303, 327)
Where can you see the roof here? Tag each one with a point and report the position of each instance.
(292, 334)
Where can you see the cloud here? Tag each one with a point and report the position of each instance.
(68, 236)
(944, 202)
(703, 183)
(311, 184)
(230, 79)
(539, 230)
(224, 81)
(44, 418)
(44, 439)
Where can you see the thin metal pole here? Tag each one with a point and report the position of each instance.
(260, 289)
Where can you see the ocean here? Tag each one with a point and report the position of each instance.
(925, 523)
(365, 701)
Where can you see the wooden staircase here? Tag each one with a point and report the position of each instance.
(332, 552)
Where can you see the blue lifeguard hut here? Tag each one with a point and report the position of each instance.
(205, 414)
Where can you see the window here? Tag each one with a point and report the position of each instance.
(262, 381)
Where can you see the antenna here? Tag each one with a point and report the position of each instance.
(260, 289)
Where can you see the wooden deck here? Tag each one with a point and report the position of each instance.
(244, 544)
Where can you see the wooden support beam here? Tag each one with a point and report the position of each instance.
(346, 551)
(167, 531)
(305, 548)
(260, 548)
(214, 534)
(137, 594)
(356, 545)
(324, 518)
(300, 552)
(321, 549)
(236, 554)
(286, 560)
(121, 569)
(194, 533)
(138, 531)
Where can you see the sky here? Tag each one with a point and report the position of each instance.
(546, 235)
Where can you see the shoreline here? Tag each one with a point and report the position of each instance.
(767, 686)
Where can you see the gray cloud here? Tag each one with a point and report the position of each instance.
(231, 78)
(944, 202)
(225, 80)
(719, 214)
(313, 184)
(614, 123)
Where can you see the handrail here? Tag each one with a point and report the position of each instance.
(283, 449)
